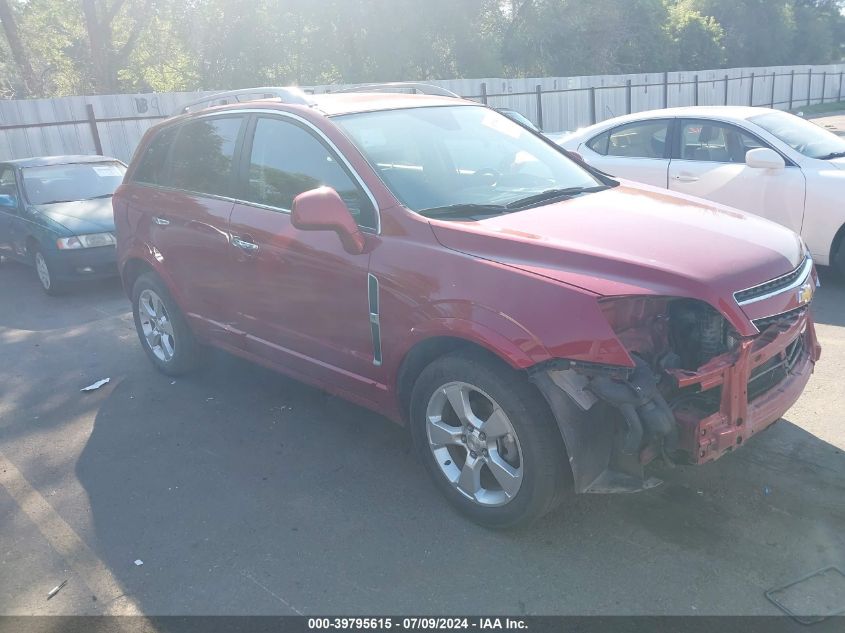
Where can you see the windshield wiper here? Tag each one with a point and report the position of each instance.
(55, 201)
(463, 210)
(105, 195)
(553, 194)
(832, 155)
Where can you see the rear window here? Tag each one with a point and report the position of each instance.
(201, 158)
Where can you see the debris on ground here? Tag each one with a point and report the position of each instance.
(56, 589)
(96, 385)
(139, 562)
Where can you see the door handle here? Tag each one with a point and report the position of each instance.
(250, 247)
(160, 221)
(685, 178)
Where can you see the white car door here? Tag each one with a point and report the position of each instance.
(637, 151)
(709, 162)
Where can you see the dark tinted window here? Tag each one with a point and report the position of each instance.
(645, 139)
(287, 160)
(152, 167)
(201, 159)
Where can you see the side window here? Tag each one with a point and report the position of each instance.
(287, 160)
(8, 186)
(599, 143)
(644, 139)
(151, 169)
(714, 142)
(202, 156)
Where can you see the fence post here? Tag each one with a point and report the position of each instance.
(665, 89)
(824, 84)
(772, 100)
(539, 106)
(726, 90)
(592, 105)
(95, 133)
(751, 93)
(695, 88)
(791, 87)
(809, 84)
(840, 87)
(628, 97)
(484, 93)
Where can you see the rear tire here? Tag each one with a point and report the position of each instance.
(164, 333)
(501, 460)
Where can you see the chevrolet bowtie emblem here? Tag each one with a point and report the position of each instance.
(805, 293)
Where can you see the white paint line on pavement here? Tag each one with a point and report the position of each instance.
(276, 596)
(66, 542)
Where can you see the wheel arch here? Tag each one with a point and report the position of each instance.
(837, 251)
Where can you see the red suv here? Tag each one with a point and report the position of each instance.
(538, 325)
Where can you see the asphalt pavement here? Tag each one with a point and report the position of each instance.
(238, 491)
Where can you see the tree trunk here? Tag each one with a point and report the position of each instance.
(100, 45)
(31, 82)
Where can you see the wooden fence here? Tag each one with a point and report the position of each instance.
(113, 124)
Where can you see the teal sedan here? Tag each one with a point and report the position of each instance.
(56, 215)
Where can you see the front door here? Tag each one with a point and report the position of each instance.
(299, 297)
(709, 162)
(9, 210)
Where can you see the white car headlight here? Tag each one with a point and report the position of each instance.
(91, 240)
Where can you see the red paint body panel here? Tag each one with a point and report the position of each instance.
(524, 285)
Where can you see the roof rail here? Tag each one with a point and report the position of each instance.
(414, 87)
(290, 94)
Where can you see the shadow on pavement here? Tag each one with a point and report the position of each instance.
(245, 492)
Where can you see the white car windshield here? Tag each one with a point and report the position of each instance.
(807, 138)
(463, 159)
(74, 181)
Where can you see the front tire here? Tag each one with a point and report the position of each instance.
(838, 260)
(164, 333)
(46, 274)
(488, 439)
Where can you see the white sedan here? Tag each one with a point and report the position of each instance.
(763, 161)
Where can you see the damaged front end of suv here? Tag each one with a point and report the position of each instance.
(697, 385)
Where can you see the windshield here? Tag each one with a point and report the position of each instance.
(807, 138)
(446, 157)
(74, 181)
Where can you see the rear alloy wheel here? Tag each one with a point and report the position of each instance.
(488, 439)
(49, 284)
(163, 331)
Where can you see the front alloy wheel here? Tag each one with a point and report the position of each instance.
(45, 274)
(488, 439)
(474, 444)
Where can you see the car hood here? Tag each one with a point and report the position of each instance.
(81, 216)
(635, 239)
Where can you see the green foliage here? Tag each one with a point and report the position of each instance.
(91, 46)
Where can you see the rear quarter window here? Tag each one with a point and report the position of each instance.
(152, 168)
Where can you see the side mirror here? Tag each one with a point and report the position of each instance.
(322, 209)
(764, 158)
(8, 202)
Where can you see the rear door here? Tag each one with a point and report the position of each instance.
(187, 213)
(709, 162)
(299, 297)
(637, 151)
